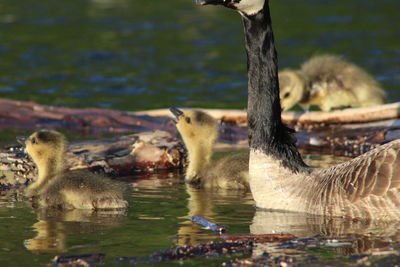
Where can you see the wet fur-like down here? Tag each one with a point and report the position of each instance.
(329, 82)
(57, 188)
(82, 190)
(199, 132)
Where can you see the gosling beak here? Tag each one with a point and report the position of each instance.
(177, 113)
(21, 139)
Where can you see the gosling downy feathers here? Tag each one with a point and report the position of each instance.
(199, 132)
(367, 186)
(329, 82)
(56, 188)
(293, 89)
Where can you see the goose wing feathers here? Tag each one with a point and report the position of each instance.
(373, 173)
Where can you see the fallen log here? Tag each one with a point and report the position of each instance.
(118, 156)
(348, 132)
(87, 121)
(344, 116)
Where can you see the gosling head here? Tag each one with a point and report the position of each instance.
(247, 7)
(44, 145)
(195, 126)
(292, 88)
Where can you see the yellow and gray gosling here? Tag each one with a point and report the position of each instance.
(329, 82)
(56, 188)
(199, 132)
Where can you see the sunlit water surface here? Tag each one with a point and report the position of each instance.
(160, 206)
(135, 55)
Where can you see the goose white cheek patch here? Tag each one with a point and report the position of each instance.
(249, 7)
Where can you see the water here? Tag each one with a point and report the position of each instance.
(135, 55)
(160, 206)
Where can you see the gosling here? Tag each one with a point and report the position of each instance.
(330, 83)
(199, 132)
(56, 188)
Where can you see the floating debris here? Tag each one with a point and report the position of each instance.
(208, 225)
(84, 260)
(209, 249)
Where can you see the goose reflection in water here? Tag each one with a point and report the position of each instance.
(366, 234)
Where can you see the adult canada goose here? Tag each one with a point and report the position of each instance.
(367, 186)
(329, 82)
(56, 188)
(199, 132)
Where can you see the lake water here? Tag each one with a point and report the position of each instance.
(135, 55)
(160, 206)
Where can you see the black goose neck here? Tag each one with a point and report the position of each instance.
(266, 130)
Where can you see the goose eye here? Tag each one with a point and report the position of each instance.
(286, 95)
(187, 120)
(33, 140)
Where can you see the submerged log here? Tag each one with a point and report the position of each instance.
(118, 156)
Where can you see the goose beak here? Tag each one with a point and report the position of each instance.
(210, 2)
(177, 113)
(21, 139)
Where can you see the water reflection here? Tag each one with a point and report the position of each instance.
(206, 203)
(161, 206)
(54, 226)
(361, 235)
(364, 234)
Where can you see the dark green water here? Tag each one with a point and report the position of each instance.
(160, 206)
(135, 55)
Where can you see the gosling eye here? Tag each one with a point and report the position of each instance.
(33, 140)
(286, 95)
(187, 119)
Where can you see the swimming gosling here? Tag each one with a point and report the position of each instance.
(56, 188)
(331, 83)
(199, 132)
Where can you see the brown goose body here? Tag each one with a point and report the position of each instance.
(56, 188)
(199, 132)
(329, 82)
(367, 186)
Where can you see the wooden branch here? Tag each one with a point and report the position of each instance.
(345, 116)
(351, 115)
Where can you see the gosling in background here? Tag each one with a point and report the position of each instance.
(199, 132)
(331, 83)
(56, 188)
